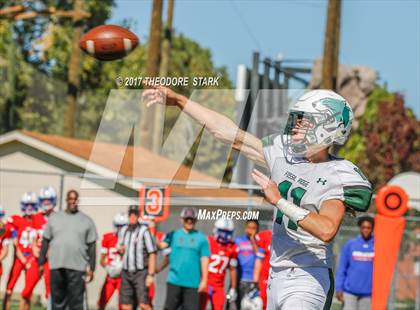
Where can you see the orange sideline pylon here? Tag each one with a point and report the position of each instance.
(391, 203)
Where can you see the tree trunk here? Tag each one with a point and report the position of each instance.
(331, 46)
(159, 120)
(147, 126)
(73, 75)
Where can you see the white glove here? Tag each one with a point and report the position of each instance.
(232, 294)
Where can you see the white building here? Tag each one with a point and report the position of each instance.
(30, 160)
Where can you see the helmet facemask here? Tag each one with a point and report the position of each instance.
(47, 205)
(47, 199)
(309, 130)
(223, 236)
(29, 203)
(29, 208)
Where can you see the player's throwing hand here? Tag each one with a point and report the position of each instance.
(269, 187)
(160, 95)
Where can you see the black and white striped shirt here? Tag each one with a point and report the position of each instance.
(138, 243)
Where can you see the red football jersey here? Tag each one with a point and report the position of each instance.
(221, 256)
(39, 221)
(25, 232)
(109, 247)
(264, 241)
(160, 235)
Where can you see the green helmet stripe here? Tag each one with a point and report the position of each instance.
(339, 109)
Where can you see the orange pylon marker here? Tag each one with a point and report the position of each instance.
(391, 203)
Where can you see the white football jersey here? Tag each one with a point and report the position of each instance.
(308, 185)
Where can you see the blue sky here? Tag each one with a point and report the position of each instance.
(382, 34)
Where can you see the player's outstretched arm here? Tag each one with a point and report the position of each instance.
(220, 126)
(323, 225)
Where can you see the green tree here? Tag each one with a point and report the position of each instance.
(43, 75)
(387, 141)
(41, 56)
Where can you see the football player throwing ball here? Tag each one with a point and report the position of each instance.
(310, 188)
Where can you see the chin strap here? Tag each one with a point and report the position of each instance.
(291, 210)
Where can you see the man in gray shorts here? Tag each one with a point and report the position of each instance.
(138, 250)
(70, 236)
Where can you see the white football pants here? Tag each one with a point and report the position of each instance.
(300, 289)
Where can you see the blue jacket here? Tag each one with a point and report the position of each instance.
(246, 258)
(354, 273)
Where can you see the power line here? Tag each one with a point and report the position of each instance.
(245, 24)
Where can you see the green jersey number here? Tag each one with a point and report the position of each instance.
(296, 193)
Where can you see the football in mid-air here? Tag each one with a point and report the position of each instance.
(108, 42)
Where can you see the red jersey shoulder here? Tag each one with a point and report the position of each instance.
(214, 245)
(109, 239)
(264, 238)
(38, 220)
(15, 220)
(228, 249)
(19, 223)
(160, 235)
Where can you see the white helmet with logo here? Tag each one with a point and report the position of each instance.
(120, 220)
(329, 118)
(29, 203)
(223, 230)
(47, 198)
(251, 301)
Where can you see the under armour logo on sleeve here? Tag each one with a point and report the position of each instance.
(321, 181)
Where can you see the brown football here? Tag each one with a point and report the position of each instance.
(108, 42)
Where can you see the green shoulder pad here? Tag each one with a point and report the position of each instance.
(268, 140)
(357, 197)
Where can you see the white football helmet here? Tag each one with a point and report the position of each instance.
(47, 198)
(223, 230)
(29, 203)
(120, 220)
(251, 302)
(114, 269)
(328, 117)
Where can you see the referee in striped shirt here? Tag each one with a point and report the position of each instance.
(138, 250)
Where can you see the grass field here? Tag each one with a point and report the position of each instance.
(15, 306)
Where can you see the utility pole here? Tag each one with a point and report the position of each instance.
(73, 74)
(164, 70)
(167, 40)
(10, 113)
(331, 46)
(147, 125)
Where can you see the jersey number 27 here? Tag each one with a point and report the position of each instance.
(218, 263)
